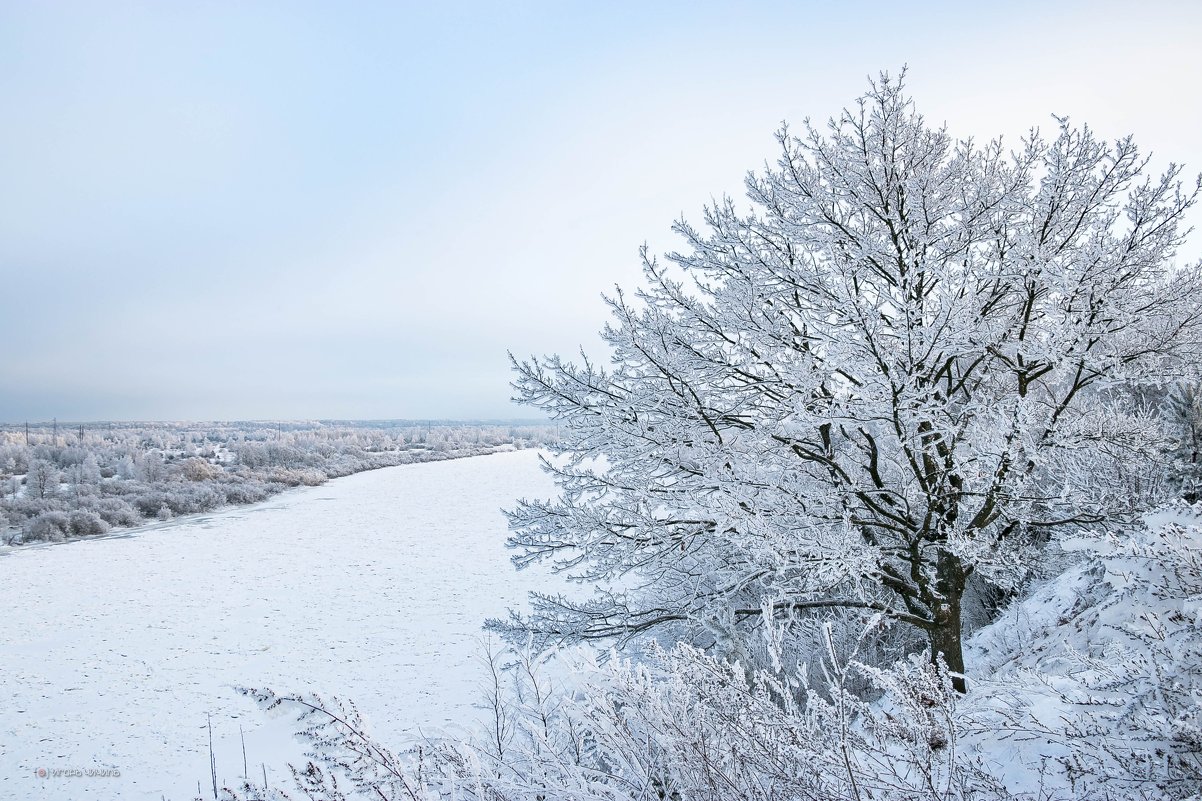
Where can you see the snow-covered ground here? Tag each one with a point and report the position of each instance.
(115, 652)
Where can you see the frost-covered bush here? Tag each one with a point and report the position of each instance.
(9, 534)
(683, 726)
(26, 507)
(250, 491)
(297, 477)
(115, 512)
(83, 523)
(149, 503)
(52, 526)
(270, 454)
(192, 498)
(197, 469)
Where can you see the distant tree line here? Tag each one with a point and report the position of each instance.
(60, 481)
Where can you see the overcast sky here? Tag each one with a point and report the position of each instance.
(231, 210)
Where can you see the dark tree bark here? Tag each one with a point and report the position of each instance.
(946, 633)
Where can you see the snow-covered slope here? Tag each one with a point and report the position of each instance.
(116, 651)
(1093, 683)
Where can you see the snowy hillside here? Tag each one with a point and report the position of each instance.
(1093, 683)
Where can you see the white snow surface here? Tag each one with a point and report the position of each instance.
(115, 652)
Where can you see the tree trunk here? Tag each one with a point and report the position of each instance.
(945, 633)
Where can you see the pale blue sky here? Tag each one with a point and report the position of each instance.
(298, 210)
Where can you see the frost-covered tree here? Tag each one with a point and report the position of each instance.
(898, 369)
(1182, 407)
(150, 468)
(84, 473)
(42, 480)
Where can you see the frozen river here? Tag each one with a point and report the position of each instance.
(114, 652)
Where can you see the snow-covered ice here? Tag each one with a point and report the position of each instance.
(116, 651)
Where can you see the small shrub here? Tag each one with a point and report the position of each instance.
(85, 523)
(49, 526)
(116, 512)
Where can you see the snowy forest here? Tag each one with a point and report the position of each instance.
(58, 482)
(888, 491)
